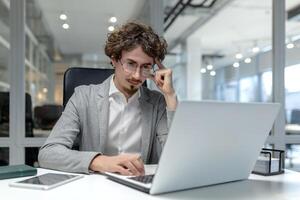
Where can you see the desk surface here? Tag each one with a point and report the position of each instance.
(279, 187)
(292, 129)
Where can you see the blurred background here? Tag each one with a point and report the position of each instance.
(218, 50)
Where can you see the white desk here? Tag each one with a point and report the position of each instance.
(292, 129)
(280, 187)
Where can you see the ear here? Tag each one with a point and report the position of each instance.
(113, 61)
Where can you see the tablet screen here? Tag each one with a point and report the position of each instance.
(48, 179)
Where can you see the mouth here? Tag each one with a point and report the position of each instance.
(134, 82)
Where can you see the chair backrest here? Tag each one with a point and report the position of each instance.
(295, 116)
(4, 112)
(45, 116)
(76, 76)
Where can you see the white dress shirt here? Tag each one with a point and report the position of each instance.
(125, 123)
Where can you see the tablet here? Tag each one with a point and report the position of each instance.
(46, 181)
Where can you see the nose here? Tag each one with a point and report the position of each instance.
(137, 74)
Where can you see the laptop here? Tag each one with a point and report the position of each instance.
(208, 143)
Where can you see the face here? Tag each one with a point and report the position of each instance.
(127, 81)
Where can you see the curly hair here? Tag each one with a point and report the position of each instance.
(131, 35)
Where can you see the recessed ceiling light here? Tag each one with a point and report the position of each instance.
(203, 70)
(40, 96)
(238, 56)
(236, 65)
(290, 45)
(45, 90)
(63, 17)
(209, 67)
(255, 49)
(212, 73)
(113, 19)
(66, 26)
(111, 28)
(247, 60)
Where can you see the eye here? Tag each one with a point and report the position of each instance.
(147, 67)
(130, 64)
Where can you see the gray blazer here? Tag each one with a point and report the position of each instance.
(86, 117)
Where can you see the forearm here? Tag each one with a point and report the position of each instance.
(171, 101)
(61, 158)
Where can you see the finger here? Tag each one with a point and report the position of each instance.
(151, 77)
(162, 73)
(160, 83)
(159, 78)
(131, 168)
(139, 165)
(160, 66)
(121, 170)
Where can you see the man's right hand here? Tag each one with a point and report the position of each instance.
(125, 164)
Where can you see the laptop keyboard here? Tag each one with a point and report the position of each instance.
(144, 179)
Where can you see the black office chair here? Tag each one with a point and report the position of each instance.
(295, 116)
(76, 76)
(45, 116)
(4, 117)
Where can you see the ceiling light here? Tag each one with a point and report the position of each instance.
(63, 17)
(255, 49)
(40, 96)
(212, 73)
(111, 28)
(203, 70)
(247, 60)
(236, 65)
(290, 45)
(45, 90)
(113, 19)
(66, 26)
(238, 56)
(209, 67)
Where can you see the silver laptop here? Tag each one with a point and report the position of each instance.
(208, 143)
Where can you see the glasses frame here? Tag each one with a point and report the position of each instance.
(142, 71)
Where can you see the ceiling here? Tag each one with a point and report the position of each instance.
(238, 26)
(88, 21)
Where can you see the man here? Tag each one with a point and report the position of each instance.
(120, 124)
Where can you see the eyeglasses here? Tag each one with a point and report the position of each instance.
(131, 67)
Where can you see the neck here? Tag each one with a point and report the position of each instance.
(127, 92)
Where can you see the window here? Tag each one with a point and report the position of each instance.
(266, 80)
(248, 89)
(230, 91)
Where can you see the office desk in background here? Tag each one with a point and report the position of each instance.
(285, 186)
(292, 129)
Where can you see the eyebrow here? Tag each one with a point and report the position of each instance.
(136, 62)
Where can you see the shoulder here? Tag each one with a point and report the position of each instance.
(86, 89)
(93, 89)
(88, 93)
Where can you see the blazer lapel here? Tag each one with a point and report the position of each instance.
(103, 109)
(147, 117)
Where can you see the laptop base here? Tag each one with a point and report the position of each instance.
(126, 183)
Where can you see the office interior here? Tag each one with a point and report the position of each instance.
(225, 50)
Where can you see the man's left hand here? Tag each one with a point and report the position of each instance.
(163, 80)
